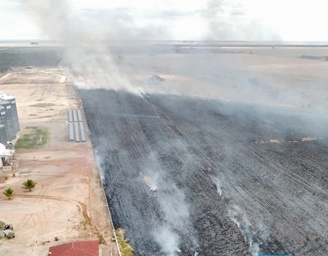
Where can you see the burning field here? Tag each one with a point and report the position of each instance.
(207, 153)
(240, 173)
(215, 190)
(205, 148)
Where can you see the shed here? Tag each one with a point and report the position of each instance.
(6, 155)
(78, 248)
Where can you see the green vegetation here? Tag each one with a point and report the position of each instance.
(2, 225)
(9, 193)
(125, 248)
(29, 184)
(33, 137)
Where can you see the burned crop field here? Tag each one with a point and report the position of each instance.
(197, 176)
(190, 176)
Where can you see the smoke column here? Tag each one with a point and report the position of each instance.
(84, 42)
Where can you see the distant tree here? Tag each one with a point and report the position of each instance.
(9, 193)
(29, 184)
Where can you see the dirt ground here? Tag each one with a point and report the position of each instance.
(68, 201)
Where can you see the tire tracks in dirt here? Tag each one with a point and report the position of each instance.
(82, 206)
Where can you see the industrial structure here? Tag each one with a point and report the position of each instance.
(6, 155)
(75, 126)
(81, 248)
(9, 124)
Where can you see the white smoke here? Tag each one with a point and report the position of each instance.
(173, 205)
(243, 224)
(85, 44)
(167, 239)
(252, 229)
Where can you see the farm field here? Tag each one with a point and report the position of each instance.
(202, 152)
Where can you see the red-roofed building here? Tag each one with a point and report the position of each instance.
(85, 248)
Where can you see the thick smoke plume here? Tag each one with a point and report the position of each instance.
(88, 57)
(85, 40)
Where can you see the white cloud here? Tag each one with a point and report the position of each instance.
(14, 23)
(291, 19)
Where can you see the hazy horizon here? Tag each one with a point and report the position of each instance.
(248, 20)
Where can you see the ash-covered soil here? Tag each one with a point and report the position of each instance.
(188, 176)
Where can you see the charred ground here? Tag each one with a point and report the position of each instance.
(230, 177)
(225, 173)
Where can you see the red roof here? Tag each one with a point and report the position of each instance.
(86, 248)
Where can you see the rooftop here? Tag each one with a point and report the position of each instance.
(4, 152)
(5, 96)
(79, 248)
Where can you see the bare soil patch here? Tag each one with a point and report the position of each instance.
(68, 202)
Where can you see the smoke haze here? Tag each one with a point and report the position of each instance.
(234, 77)
(85, 37)
(228, 20)
(172, 202)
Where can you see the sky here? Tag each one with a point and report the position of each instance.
(288, 20)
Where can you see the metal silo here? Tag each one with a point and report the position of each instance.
(4, 123)
(11, 134)
(14, 114)
(3, 135)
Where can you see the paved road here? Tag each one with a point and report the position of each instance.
(230, 179)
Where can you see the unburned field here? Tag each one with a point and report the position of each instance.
(22, 57)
